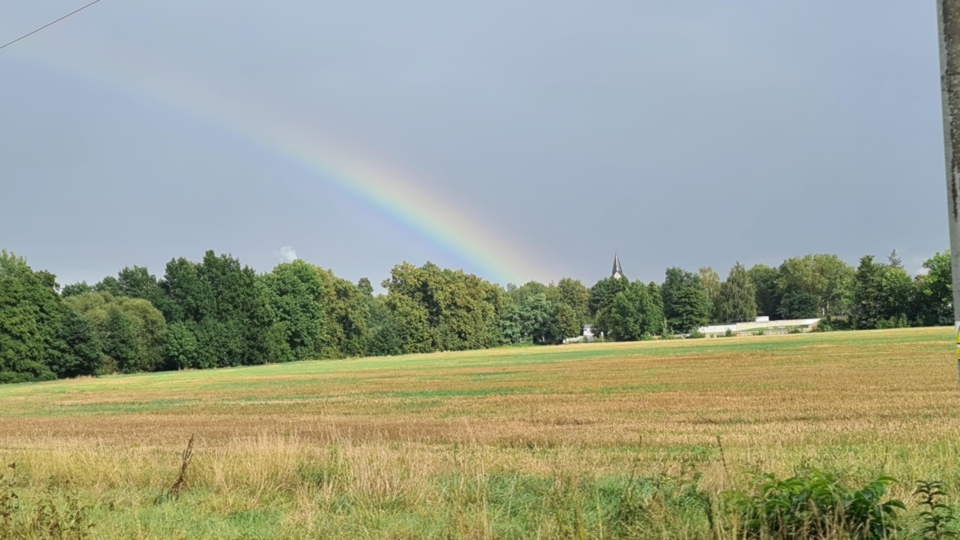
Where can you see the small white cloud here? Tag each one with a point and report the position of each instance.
(288, 254)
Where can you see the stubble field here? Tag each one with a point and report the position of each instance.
(601, 440)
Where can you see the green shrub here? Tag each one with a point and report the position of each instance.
(55, 512)
(696, 334)
(814, 504)
(939, 520)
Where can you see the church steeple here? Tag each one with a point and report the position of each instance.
(617, 270)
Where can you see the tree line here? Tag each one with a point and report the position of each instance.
(217, 312)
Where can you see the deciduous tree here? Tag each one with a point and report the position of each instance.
(737, 301)
(685, 302)
(765, 281)
(933, 297)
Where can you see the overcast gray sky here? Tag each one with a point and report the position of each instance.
(676, 133)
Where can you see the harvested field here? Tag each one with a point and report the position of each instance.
(505, 443)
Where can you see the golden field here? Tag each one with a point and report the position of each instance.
(505, 443)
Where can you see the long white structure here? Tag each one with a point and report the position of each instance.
(762, 323)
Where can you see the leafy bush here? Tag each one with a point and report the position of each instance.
(56, 513)
(814, 504)
(696, 334)
(938, 517)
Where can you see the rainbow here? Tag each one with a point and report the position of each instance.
(391, 193)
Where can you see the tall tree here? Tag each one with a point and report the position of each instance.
(568, 323)
(657, 314)
(182, 348)
(224, 305)
(933, 297)
(298, 299)
(462, 310)
(30, 318)
(120, 344)
(882, 295)
(539, 320)
(737, 301)
(75, 288)
(79, 348)
(347, 310)
(635, 314)
(685, 302)
(519, 294)
(383, 328)
(765, 281)
(147, 328)
(822, 279)
(798, 303)
(576, 295)
(603, 292)
(712, 284)
(133, 282)
(894, 260)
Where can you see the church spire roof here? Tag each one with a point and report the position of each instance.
(617, 269)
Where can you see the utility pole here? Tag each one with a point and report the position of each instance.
(948, 21)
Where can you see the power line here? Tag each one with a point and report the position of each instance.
(49, 24)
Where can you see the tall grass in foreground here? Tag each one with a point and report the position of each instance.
(283, 488)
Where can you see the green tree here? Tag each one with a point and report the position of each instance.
(897, 287)
(227, 308)
(411, 324)
(933, 292)
(120, 344)
(882, 295)
(568, 322)
(519, 294)
(576, 295)
(737, 301)
(182, 350)
(298, 299)
(824, 277)
(712, 284)
(75, 289)
(347, 309)
(799, 304)
(658, 321)
(539, 320)
(511, 324)
(462, 310)
(149, 326)
(382, 326)
(685, 302)
(365, 286)
(766, 283)
(603, 292)
(30, 318)
(278, 343)
(894, 260)
(634, 314)
(79, 348)
(530, 316)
